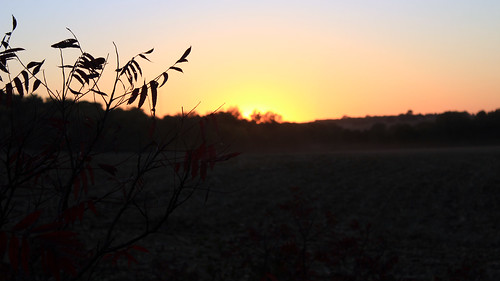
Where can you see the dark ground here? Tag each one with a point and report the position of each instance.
(435, 208)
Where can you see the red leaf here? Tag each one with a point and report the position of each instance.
(139, 248)
(91, 206)
(130, 259)
(228, 156)
(269, 276)
(76, 184)
(212, 154)
(108, 168)
(27, 221)
(80, 209)
(144, 93)
(194, 167)
(187, 160)
(3, 244)
(14, 252)
(152, 128)
(68, 265)
(203, 170)
(47, 227)
(25, 255)
(83, 175)
(202, 129)
(91, 174)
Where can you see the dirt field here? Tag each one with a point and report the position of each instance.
(435, 207)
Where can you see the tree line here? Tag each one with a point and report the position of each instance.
(128, 129)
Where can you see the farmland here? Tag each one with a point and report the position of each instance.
(435, 208)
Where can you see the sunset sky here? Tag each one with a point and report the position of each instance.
(305, 60)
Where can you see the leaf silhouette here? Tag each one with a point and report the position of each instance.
(3, 67)
(83, 75)
(10, 51)
(136, 64)
(154, 92)
(77, 77)
(92, 75)
(26, 80)
(14, 23)
(176, 68)
(131, 67)
(68, 43)
(165, 78)
(184, 56)
(19, 86)
(144, 93)
(74, 92)
(36, 84)
(37, 68)
(34, 63)
(98, 63)
(149, 52)
(144, 57)
(133, 96)
(99, 92)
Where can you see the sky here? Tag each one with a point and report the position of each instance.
(305, 60)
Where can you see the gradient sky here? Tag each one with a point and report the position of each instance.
(305, 60)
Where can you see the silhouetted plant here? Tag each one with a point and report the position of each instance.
(65, 210)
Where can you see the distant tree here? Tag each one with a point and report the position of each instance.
(268, 117)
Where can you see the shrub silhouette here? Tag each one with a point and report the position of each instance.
(65, 209)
